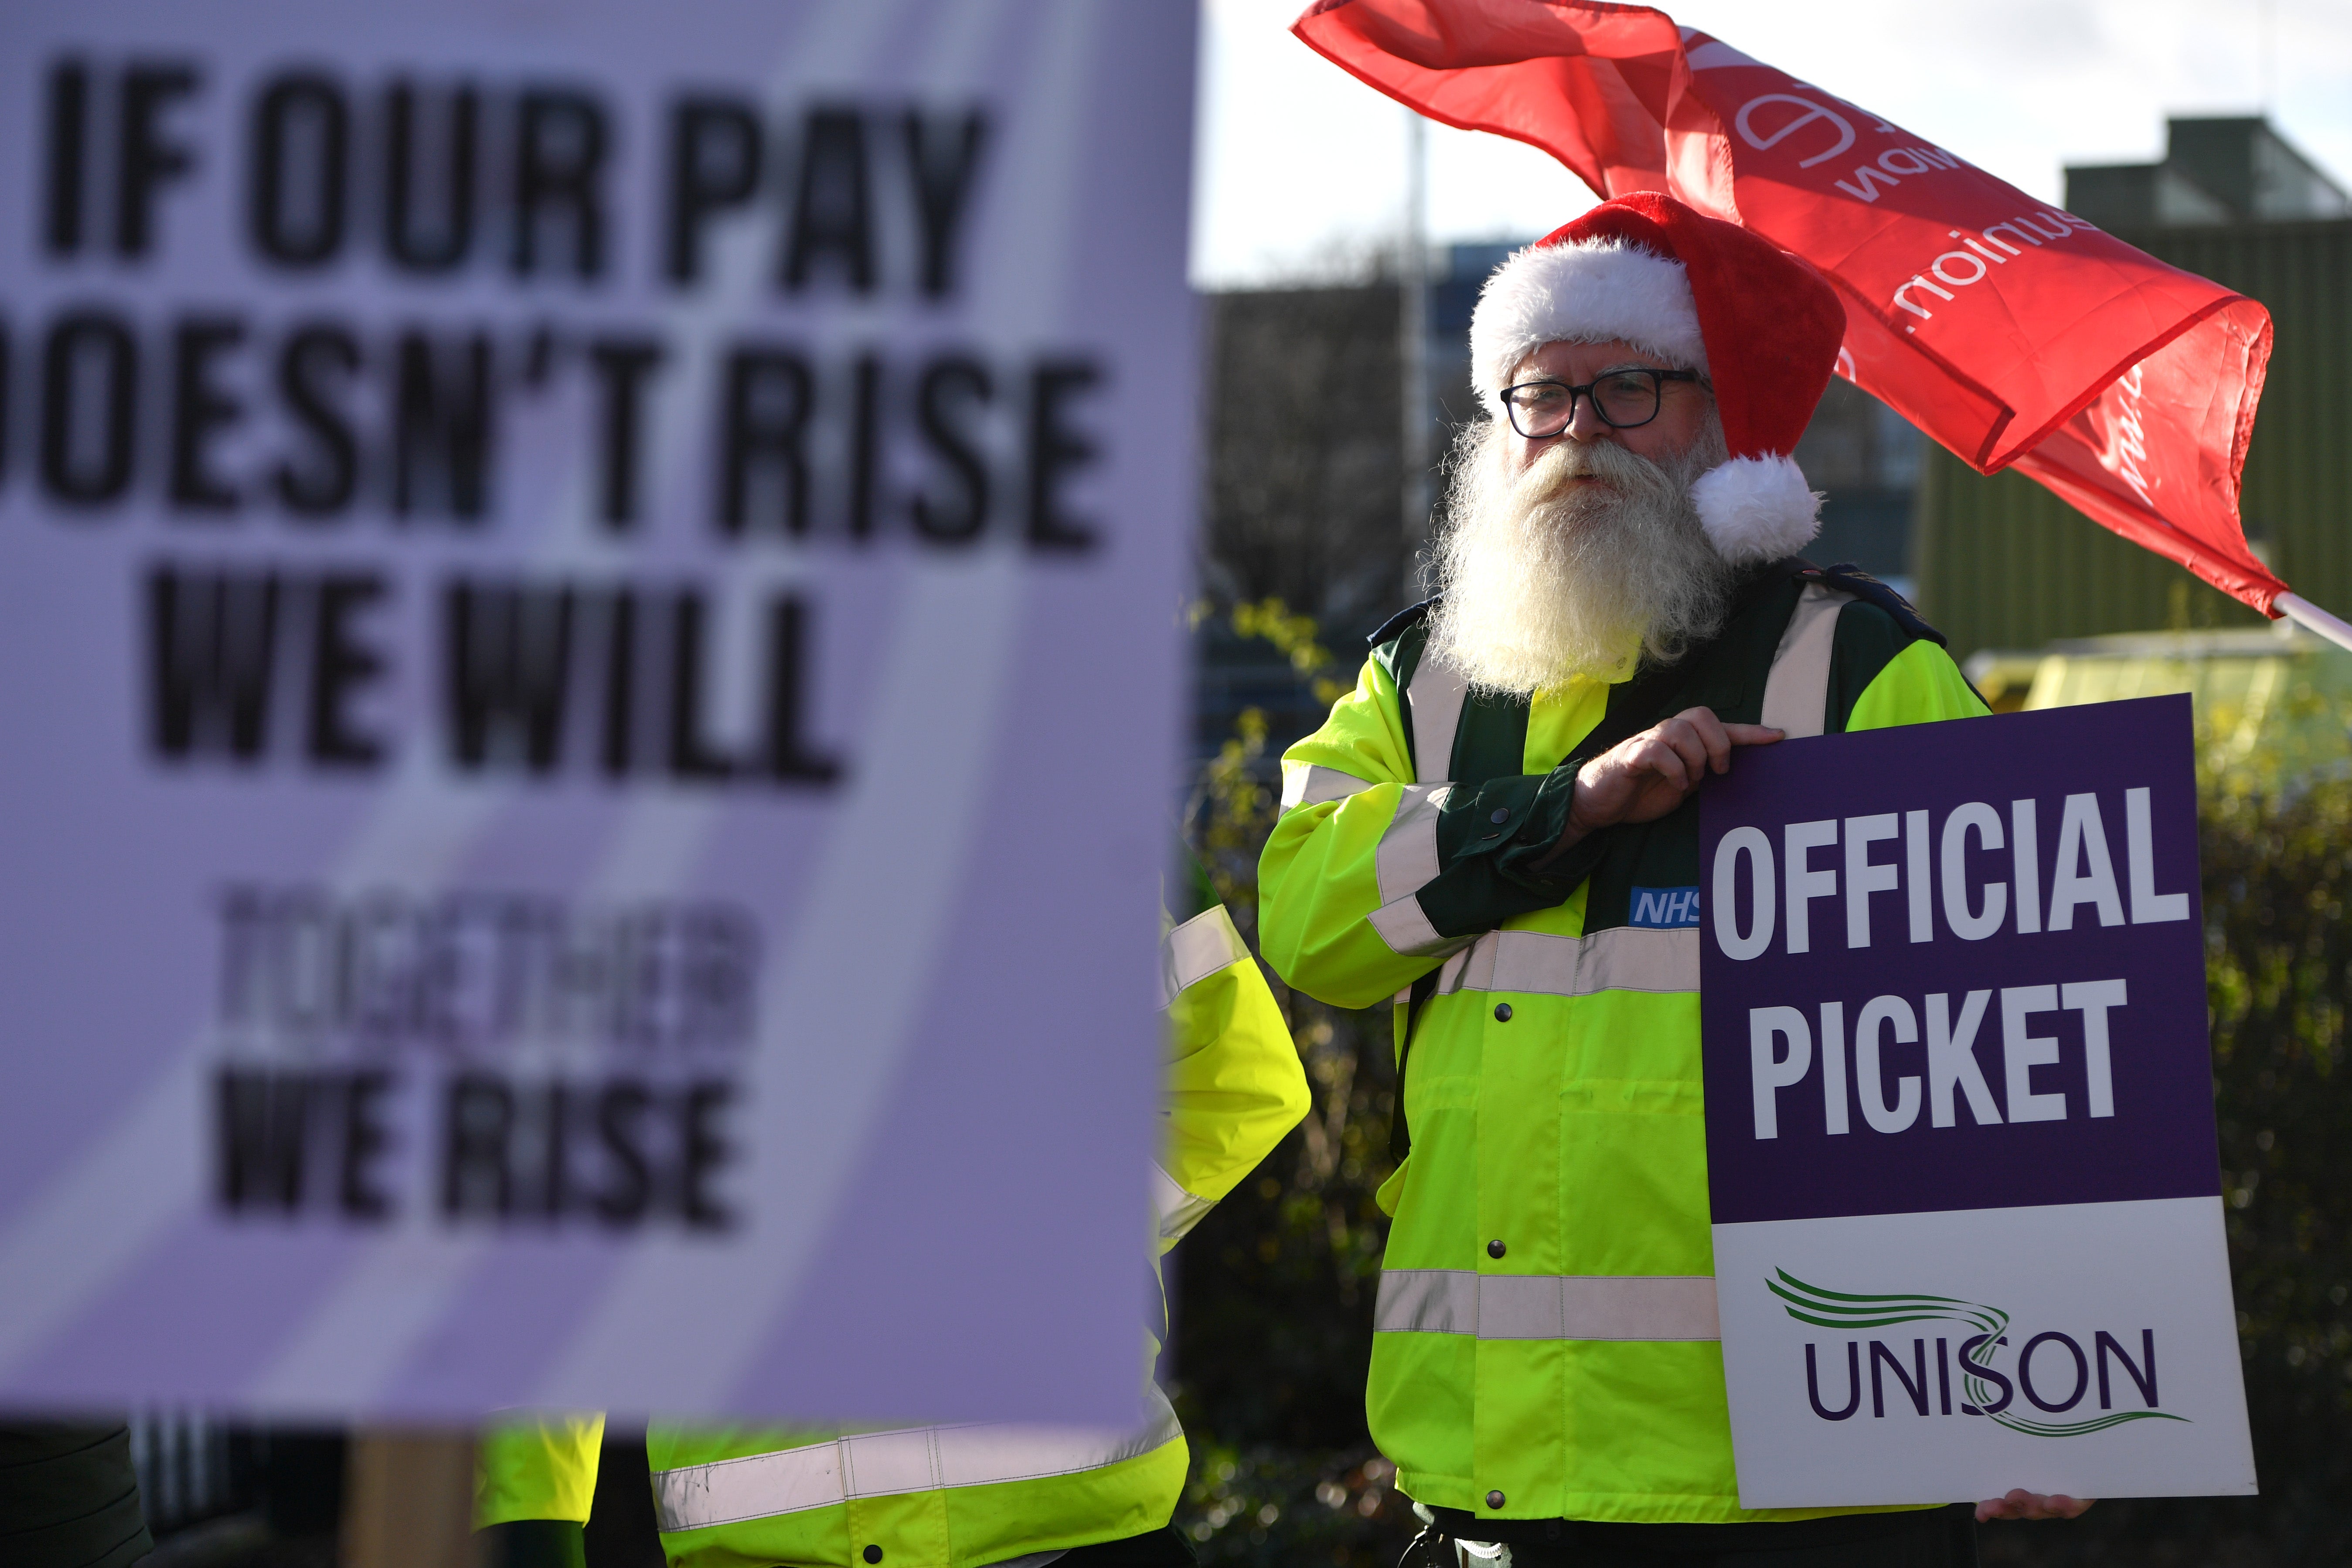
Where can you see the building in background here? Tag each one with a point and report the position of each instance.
(1301, 492)
(2214, 172)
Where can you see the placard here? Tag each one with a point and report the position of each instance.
(588, 638)
(1960, 1143)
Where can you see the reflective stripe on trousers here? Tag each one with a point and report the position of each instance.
(890, 1464)
(1547, 1306)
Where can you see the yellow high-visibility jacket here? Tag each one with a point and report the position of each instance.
(958, 1497)
(1545, 1343)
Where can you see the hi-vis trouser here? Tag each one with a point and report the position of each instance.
(1546, 1342)
(963, 1496)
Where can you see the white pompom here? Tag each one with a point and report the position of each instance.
(1757, 509)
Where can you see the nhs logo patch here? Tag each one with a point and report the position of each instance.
(1665, 909)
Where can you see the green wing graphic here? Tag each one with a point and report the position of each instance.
(1839, 1310)
(1835, 1310)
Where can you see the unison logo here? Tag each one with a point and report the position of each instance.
(2064, 1369)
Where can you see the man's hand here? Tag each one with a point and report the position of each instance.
(1647, 775)
(2024, 1504)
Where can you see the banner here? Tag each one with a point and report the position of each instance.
(590, 657)
(2010, 331)
(1961, 1145)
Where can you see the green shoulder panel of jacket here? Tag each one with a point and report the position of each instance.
(1235, 1087)
(1880, 676)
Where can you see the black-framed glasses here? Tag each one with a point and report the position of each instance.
(1624, 399)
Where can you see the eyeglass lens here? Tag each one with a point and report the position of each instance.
(1546, 408)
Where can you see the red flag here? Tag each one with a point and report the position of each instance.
(2007, 329)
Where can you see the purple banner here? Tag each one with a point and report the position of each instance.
(585, 639)
(1958, 966)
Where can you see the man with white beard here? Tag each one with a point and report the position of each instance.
(1499, 829)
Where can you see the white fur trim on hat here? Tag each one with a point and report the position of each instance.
(1597, 291)
(1757, 509)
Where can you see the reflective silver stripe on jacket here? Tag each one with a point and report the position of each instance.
(1308, 784)
(1797, 691)
(1407, 857)
(1547, 1306)
(1196, 950)
(1176, 1209)
(888, 1464)
(1435, 695)
(1406, 928)
(1620, 958)
(1405, 862)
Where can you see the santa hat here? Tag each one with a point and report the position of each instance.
(1703, 295)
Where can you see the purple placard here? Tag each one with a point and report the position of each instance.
(2111, 946)
(560, 542)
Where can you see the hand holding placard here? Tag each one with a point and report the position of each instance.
(2022, 1504)
(1644, 776)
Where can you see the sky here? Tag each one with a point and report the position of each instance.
(1298, 168)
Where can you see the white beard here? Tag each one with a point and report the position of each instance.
(1545, 578)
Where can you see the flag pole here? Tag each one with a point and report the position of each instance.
(1413, 355)
(2311, 617)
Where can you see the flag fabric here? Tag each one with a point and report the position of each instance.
(2012, 333)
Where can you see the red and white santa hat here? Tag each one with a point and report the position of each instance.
(1762, 325)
